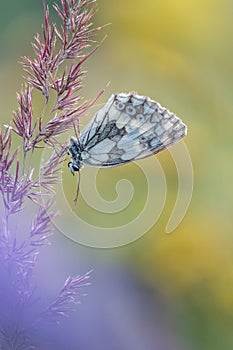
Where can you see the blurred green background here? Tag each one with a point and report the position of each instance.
(179, 53)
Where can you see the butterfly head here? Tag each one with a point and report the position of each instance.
(74, 150)
(73, 167)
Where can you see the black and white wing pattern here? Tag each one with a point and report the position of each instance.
(127, 128)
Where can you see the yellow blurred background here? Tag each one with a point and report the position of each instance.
(179, 53)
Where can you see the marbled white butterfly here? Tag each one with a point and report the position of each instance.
(127, 128)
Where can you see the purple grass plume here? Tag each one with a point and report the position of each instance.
(22, 187)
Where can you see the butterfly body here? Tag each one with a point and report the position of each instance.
(127, 128)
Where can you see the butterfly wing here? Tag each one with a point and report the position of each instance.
(127, 128)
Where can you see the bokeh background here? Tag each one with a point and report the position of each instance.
(162, 291)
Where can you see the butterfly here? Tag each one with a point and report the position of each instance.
(129, 127)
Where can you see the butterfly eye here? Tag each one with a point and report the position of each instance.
(72, 168)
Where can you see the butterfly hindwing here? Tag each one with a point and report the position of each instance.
(127, 128)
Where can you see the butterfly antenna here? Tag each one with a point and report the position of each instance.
(77, 191)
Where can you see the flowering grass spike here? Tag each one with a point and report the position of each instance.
(24, 232)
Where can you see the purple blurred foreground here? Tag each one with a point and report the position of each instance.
(119, 312)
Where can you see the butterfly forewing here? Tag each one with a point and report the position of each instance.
(127, 128)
